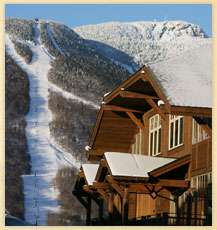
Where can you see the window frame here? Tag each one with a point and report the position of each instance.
(172, 122)
(201, 134)
(155, 139)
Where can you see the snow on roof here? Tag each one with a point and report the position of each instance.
(187, 78)
(90, 171)
(126, 164)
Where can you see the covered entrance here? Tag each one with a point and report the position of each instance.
(120, 178)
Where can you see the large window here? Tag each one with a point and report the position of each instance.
(198, 134)
(175, 131)
(154, 135)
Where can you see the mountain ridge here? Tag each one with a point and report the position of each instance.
(80, 70)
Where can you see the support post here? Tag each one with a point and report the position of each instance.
(88, 214)
(111, 206)
(101, 208)
(176, 198)
(125, 207)
(189, 209)
(195, 207)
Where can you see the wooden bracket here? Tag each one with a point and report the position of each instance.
(135, 120)
(156, 108)
(81, 173)
(115, 185)
(103, 194)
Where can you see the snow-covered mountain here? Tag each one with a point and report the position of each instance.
(66, 86)
(69, 71)
(143, 42)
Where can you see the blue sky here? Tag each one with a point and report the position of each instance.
(74, 15)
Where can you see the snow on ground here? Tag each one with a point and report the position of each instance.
(68, 95)
(40, 193)
(144, 41)
(49, 32)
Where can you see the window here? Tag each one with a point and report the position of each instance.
(201, 181)
(154, 135)
(137, 146)
(175, 131)
(198, 134)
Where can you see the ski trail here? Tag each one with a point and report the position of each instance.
(49, 32)
(68, 95)
(40, 193)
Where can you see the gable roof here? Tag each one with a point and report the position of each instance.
(189, 94)
(90, 171)
(134, 165)
(186, 80)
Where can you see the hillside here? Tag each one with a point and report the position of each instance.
(144, 42)
(16, 157)
(66, 86)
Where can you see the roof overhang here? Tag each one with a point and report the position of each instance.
(160, 175)
(120, 115)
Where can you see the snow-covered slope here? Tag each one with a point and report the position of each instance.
(49, 43)
(144, 42)
(46, 156)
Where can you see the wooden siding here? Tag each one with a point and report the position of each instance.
(145, 206)
(201, 157)
(201, 161)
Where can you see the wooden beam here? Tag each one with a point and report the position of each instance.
(108, 145)
(88, 210)
(173, 183)
(110, 204)
(119, 108)
(148, 77)
(96, 127)
(81, 199)
(171, 166)
(124, 208)
(102, 165)
(86, 188)
(131, 80)
(156, 108)
(116, 124)
(138, 188)
(128, 94)
(115, 185)
(100, 185)
(103, 194)
(81, 173)
(188, 111)
(103, 162)
(98, 151)
(113, 136)
(135, 120)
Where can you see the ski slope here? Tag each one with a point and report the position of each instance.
(71, 96)
(49, 32)
(40, 193)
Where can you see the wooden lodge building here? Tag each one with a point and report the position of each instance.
(150, 151)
